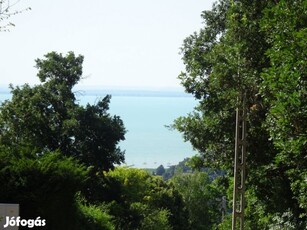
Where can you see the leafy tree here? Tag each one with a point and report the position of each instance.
(284, 86)
(213, 58)
(253, 50)
(52, 148)
(46, 117)
(160, 170)
(202, 198)
(145, 201)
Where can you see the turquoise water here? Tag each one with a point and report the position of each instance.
(148, 142)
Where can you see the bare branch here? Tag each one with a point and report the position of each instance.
(7, 11)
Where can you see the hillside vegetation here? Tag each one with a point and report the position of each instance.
(59, 159)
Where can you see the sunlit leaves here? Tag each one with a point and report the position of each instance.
(145, 201)
(259, 54)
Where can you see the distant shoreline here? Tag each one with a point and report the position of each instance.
(132, 92)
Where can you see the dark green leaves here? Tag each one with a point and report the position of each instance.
(64, 71)
(46, 117)
(256, 50)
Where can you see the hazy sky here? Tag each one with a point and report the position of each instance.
(131, 43)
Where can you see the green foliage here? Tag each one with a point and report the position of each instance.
(43, 186)
(202, 197)
(156, 220)
(46, 117)
(52, 148)
(284, 221)
(133, 182)
(255, 50)
(180, 167)
(221, 50)
(145, 201)
(284, 85)
(60, 72)
(152, 218)
(196, 163)
(91, 217)
(226, 224)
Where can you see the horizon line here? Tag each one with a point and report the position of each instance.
(137, 91)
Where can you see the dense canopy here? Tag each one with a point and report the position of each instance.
(256, 50)
(47, 117)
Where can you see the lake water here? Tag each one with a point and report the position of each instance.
(145, 114)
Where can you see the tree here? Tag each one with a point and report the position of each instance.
(285, 88)
(256, 50)
(202, 198)
(53, 150)
(144, 201)
(160, 170)
(46, 117)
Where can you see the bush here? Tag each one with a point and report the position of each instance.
(44, 186)
(145, 201)
(92, 217)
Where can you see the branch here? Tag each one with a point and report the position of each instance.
(6, 11)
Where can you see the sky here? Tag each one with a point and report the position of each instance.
(125, 44)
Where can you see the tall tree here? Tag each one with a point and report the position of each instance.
(46, 117)
(248, 49)
(284, 86)
(222, 61)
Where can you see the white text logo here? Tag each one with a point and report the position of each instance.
(31, 223)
